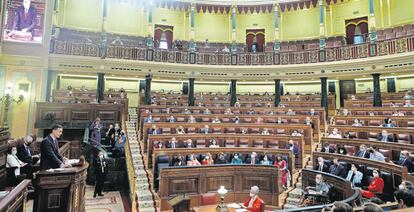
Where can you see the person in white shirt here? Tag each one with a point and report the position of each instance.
(216, 120)
(335, 134)
(353, 97)
(290, 112)
(296, 133)
(407, 103)
(213, 144)
(357, 123)
(191, 119)
(265, 131)
(14, 162)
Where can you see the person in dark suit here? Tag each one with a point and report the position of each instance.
(24, 152)
(25, 18)
(362, 152)
(385, 137)
(406, 161)
(321, 166)
(294, 147)
(172, 144)
(50, 157)
(327, 148)
(189, 144)
(100, 173)
(337, 169)
(253, 159)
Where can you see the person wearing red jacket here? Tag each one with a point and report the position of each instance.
(254, 203)
(376, 186)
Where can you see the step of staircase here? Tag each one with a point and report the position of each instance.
(289, 206)
(295, 193)
(292, 201)
(142, 186)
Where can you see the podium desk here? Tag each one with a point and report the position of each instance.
(61, 190)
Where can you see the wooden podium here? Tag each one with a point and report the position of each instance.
(61, 190)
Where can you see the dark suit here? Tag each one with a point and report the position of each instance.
(325, 168)
(49, 154)
(362, 154)
(330, 150)
(100, 173)
(407, 163)
(24, 154)
(390, 138)
(187, 145)
(338, 170)
(24, 20)
(170, 145)
(249, 160)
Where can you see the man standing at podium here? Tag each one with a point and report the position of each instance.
(49, 151)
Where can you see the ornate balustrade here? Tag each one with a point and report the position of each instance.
(386, 47)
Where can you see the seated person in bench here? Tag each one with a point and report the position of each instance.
(376, 186)
(354, 176)
(318, 194)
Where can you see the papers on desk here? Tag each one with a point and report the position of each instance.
(237, 207)
(73, 161)
(233, 205)
(53, 170)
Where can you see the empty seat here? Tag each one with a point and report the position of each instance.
(209, 199)
(410, 123)
(386, 153)
(340, 122)
(273, 144)
(244, 143)
(230, 143)
(191, 130)
(200, 143)
(166, 130)
(373, 136)
(390, 35)
(350, 149)
(374, 122)
(216, 130)
(294, 121)
(280, 131)
(230, 130)
(255, 130)
(205, 119)
(258, 143)
(180, 119)
(404, 138)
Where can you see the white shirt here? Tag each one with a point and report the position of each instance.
(335, 136)
(13, 161)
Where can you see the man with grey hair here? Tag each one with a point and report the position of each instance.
(254, 203)
(24, 152)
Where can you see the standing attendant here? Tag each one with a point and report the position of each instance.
(95, 128)
(100, 173)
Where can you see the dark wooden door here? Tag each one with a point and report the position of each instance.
(346, 87)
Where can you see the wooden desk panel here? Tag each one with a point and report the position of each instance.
(75, 116)
(397, 172)
(227, 150)
(201, 118)
(369, 103)
(238, 179)
(363, 132)
(281, 140)
(223, 128)
(399, 121)
(15, 200)
(385, 111)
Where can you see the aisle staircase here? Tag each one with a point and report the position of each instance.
(294, 196)
(145, 197)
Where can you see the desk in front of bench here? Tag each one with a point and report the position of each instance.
(232, 128)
